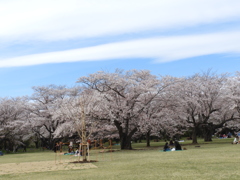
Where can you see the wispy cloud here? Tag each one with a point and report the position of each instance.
(26, 21)
(161, 49)
(46, 20)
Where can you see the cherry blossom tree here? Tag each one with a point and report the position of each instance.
(125, 95)
(43, 111)
(202, 103)
(157, 118)
(124, 105)
(14, 129)
(76, 110)
(232, 91)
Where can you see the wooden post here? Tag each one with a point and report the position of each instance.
(88, 151)
(95, 144)
(84, 138)
(55, 157)
(80, 148)
(110, 144)
(101, 144)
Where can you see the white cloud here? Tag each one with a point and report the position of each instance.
(56, 20)
(162, 49)
(27, 21)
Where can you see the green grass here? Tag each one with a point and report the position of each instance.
(216, 160)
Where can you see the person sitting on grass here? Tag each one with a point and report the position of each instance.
(171, 143)
(177, 145)
(166, 147)
(236, 140)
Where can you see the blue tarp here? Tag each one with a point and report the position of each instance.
(72, 153)
(1, 153)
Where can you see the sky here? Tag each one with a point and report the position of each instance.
(46, 42)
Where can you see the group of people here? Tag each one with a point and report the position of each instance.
(175, 144)
(58, 147)
(223, 136)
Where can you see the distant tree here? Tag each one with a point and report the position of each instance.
(44, 117)
(14, 130)
(232, 92)
(201, 102)
(157, 118)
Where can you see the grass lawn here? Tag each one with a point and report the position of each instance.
(216, 160)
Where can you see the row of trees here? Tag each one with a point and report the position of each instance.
(123, 105)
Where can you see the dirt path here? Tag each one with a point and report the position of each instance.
(42, 166)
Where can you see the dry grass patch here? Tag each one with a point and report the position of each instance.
(42, 166)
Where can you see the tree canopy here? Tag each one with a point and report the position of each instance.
(123, 105)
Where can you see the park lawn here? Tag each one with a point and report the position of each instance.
(217, 160)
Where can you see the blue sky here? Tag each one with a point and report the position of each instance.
(56, 42)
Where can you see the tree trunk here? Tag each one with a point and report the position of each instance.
(148, 138)
(36, 144)
(194, 135)
(125, 138)
(125, 142)
(207, 137)
(4, 144)
(207, 132)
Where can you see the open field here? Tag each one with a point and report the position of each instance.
(217, 160)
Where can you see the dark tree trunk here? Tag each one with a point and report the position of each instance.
(36, 144)
(194, 135)
(125, 138)
(5, 144)
(207, 131)
(207, 137)
(125, 142)
(148, 138)
(44, 143)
